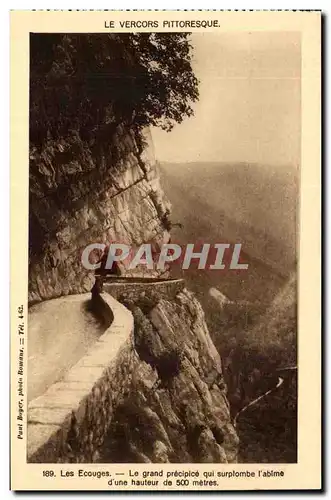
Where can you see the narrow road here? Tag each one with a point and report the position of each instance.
(255, 401)
(267, 393)
(60, 332)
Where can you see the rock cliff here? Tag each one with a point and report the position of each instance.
(78, 198)
(174, 406)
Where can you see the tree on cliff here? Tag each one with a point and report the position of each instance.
(92, 82)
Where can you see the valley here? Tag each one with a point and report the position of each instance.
(251, 314)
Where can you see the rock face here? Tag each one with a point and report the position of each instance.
(176, 410)
(78, 198)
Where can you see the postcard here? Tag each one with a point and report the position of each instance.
(166, 250)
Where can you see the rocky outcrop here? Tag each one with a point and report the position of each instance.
(177, 410)
(79, 196)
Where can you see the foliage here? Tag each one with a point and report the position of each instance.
(92, 82)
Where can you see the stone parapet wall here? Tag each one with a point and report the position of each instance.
(165, 289)
(69, 421)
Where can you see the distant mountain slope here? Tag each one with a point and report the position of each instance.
(252, 204)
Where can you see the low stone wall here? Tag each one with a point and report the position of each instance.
(102, 310)
(166, 289)
(69, 421)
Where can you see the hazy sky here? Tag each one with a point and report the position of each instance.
(249, 107)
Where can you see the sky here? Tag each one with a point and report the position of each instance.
(249, 106)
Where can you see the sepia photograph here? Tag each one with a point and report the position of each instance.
(163, 226)
(156, 138)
